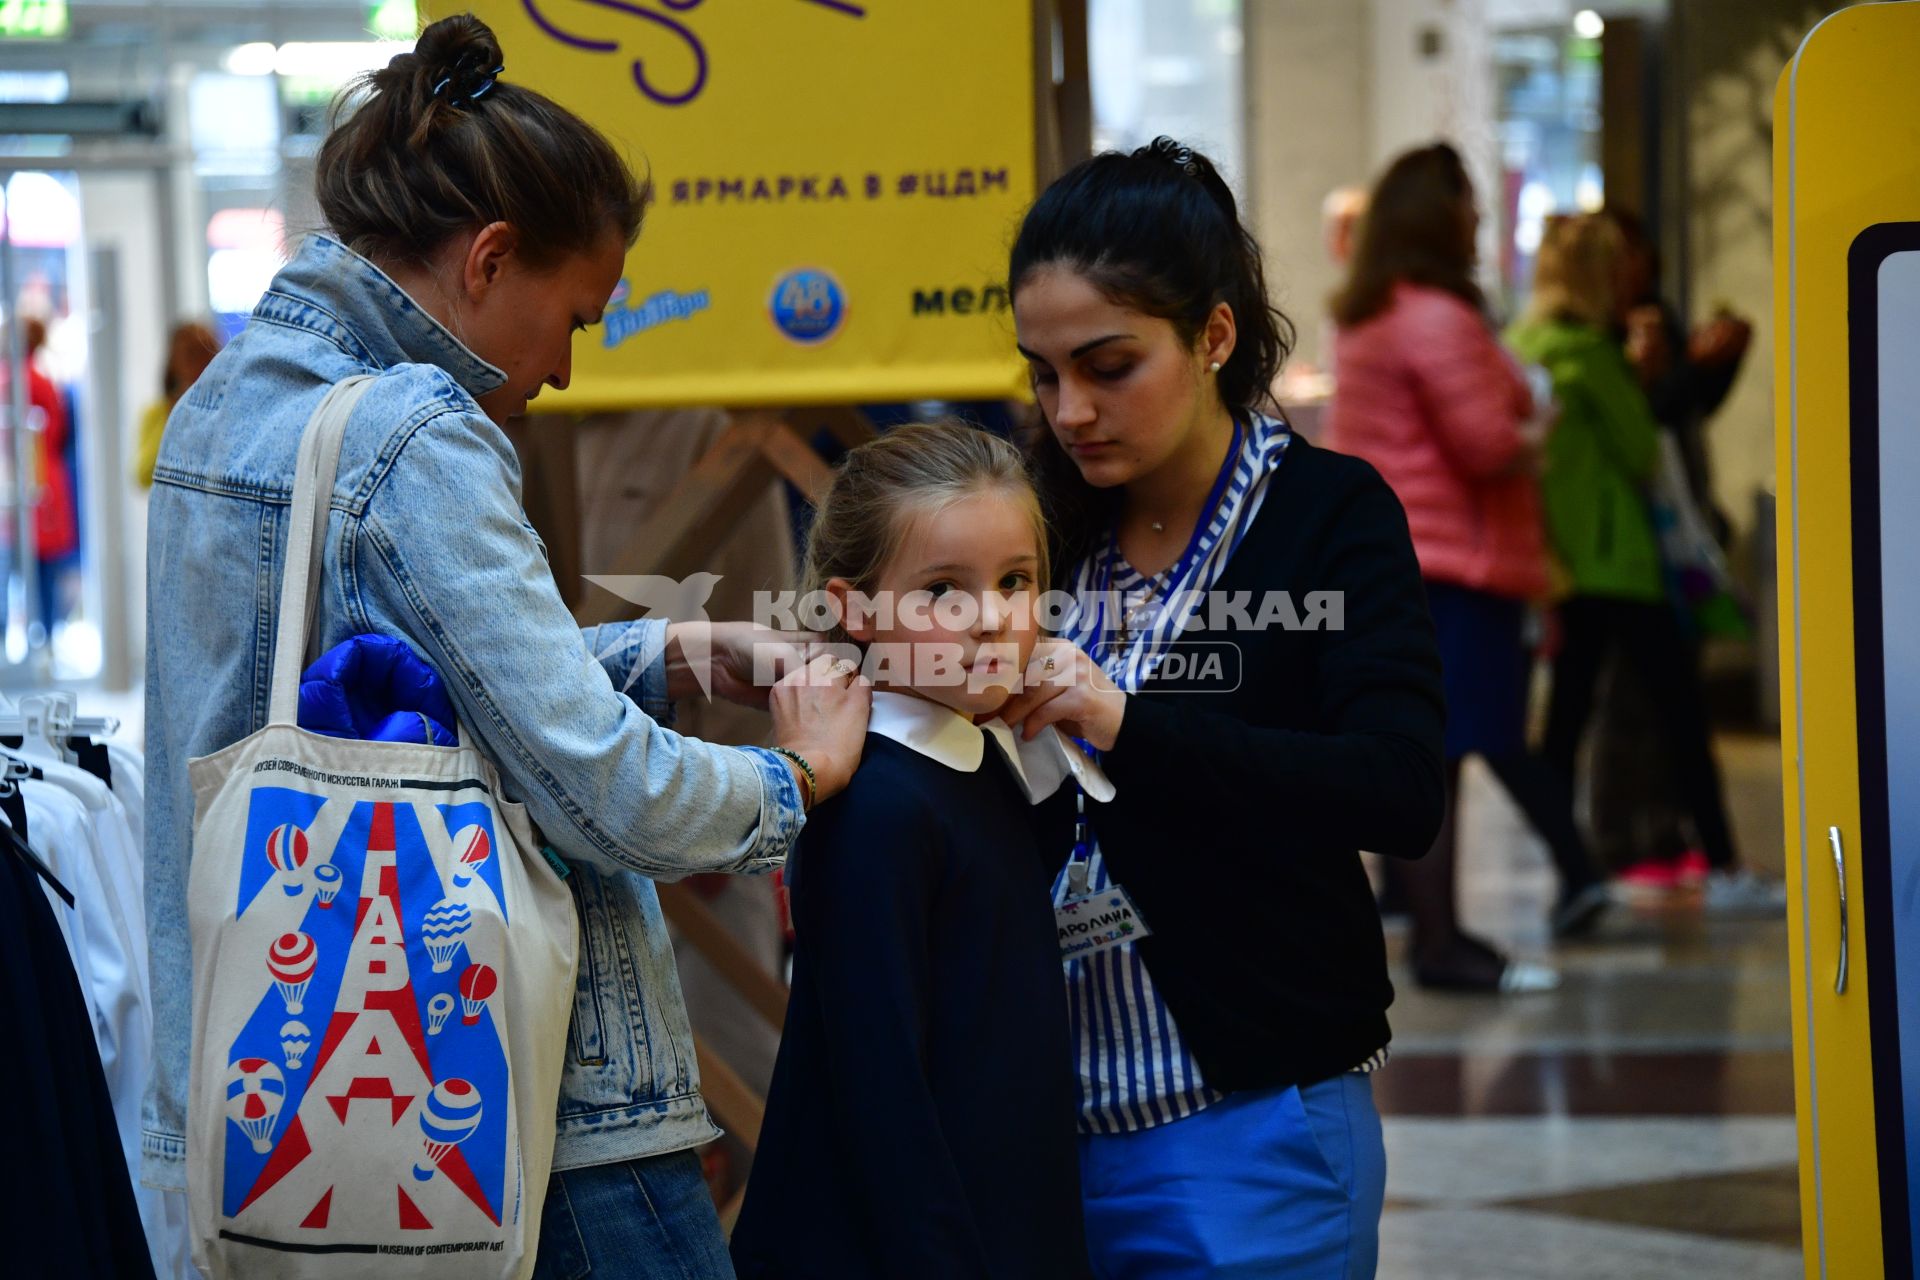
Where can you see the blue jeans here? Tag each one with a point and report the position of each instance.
(1284, 1183)
(645, 1219)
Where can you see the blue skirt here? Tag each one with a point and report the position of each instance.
(1271, 1183)
(1484, 668)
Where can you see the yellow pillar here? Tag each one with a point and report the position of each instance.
(1847, 162)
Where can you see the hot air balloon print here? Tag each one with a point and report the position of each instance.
(476, 984)
(287, 850)
(291, 960)
(448, 1118)
(326, 883)
(472, 848)
(295, 1039)
(255, 1092)
(438, 1010)
(444, 930)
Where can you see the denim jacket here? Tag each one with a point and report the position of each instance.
(426, 540)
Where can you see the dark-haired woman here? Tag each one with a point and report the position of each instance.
(475, 227)
(1226, 1112)
(1424, 391)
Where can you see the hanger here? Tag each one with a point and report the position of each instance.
(44, 721)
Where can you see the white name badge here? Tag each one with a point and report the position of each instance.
(1097, 922)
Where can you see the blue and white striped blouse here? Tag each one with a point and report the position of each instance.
(1134, 1070)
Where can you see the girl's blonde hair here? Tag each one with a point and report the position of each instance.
(909, 473)
(1576, 274)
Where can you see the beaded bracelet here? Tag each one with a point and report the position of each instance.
(806, 771)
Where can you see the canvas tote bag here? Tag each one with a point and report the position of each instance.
(383, 966)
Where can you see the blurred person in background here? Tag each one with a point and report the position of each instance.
(1425, 392)
(1340, 215)
(191, 347)
(1601, 455)
(56, 527)
(1637, 815)
(1305, 386)
(1686, 375)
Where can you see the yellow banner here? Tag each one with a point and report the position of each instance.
(836, 186)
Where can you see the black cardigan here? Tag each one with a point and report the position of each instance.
(1240, 814)
(921, 1118)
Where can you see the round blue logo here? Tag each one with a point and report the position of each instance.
(807, 305)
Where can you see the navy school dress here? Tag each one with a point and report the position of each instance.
(921, 1120)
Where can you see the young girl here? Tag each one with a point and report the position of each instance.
(921, 1118)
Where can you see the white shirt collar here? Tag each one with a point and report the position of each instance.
(943, 734)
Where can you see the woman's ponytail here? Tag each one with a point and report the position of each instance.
(438, 141)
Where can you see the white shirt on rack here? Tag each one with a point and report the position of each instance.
(130, 787)
(85, 834)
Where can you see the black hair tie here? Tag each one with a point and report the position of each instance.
(467, 80)
(1177, 154)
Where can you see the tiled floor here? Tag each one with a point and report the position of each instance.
(1638, 1122)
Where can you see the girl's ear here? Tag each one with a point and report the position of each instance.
(847, 608)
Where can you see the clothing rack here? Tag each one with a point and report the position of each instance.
(44, 721)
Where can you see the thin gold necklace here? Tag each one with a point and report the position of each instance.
(1129, 617)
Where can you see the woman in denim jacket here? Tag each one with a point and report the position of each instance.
(475, 227)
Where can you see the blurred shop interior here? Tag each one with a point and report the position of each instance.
(157, 156)
(157, 161)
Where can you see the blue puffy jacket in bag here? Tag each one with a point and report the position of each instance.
(376, 688)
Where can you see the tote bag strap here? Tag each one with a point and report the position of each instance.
(314, 472)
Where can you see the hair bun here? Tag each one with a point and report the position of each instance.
(1168, 151)
(1185, 160)
(461, 57)
(427, 148)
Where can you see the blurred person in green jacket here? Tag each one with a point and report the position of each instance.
(1599, 458)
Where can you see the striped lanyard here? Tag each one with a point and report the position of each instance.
(1080, 861)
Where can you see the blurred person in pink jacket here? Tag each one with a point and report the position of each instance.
(1424, 391)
